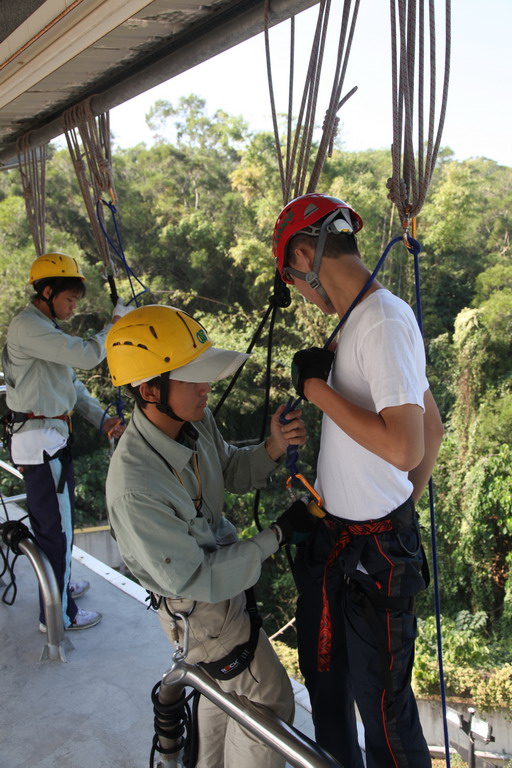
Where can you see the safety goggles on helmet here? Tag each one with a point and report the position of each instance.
(307, 214)
(54, 265)
(155, 339)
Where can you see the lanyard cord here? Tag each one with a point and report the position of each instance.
(198, 501)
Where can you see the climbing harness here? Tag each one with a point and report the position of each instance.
(175, 721)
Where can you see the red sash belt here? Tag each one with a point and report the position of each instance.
(349, 530)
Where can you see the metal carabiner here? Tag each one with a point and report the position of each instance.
(318, 501)
(181, 652)
(409, 223)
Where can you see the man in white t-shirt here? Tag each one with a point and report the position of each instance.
(358, 574)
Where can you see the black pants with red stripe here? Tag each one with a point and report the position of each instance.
(372, 645)
(51, 503)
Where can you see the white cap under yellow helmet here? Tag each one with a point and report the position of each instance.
(156, 339)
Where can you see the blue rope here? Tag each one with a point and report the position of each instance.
(119, 251)
(416, 248)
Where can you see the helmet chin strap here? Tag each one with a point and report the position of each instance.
(163, 406)
(48, 302)
(312, 277)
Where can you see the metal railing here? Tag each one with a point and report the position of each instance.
(298, 750)
(294, 746)
(17, 536)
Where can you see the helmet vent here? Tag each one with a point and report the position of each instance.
(188, 329)
(152, 330)
(142, 346)
(311, 208)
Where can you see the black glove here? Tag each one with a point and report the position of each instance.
(294, 522)
(313, 363)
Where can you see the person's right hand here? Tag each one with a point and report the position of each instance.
(296, 520)
(120, 310)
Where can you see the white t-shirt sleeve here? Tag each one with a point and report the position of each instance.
(391, 359)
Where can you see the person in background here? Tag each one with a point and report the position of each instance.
(359, 571)
(42, 390)
(165, 498)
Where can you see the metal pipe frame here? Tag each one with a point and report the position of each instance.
(54, 648)
(294, 746)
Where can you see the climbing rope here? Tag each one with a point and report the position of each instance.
(297, 160)
(11, 533)
(411, 177)
(299, 139)
(118, 249)
(412, 173)
(32, 165)
(88, 139)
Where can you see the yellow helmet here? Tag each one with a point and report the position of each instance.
(54, 265)
(151, 340)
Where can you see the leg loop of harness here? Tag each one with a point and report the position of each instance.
(241, 656)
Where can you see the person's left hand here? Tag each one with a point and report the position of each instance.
(113, 426)
(293, 432)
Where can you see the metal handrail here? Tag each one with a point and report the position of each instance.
(56, 642)
(294, 746)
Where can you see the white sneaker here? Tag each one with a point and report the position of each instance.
(83, 620)
(78, 588)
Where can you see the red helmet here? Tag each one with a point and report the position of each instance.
(301, 215)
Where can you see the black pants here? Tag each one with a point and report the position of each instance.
(51, 514)
(366, 640)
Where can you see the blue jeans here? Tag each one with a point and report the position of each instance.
(51, 514)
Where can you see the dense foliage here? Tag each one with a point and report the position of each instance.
(196, 215)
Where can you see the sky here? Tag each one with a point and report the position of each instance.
(479, 115)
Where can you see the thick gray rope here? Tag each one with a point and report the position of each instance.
(299, 143)
(32, 165)
(411, 175)
(331, 119)
(93, 167)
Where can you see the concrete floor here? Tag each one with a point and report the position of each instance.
(94, 710)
